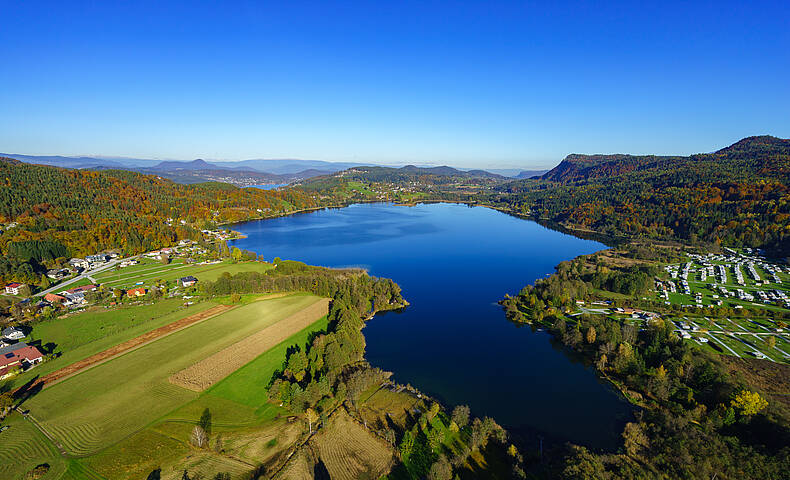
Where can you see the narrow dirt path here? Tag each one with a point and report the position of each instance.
(127, 346)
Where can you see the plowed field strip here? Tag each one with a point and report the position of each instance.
(129, 345)
(214, 368)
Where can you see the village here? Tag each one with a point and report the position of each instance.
(106, 280)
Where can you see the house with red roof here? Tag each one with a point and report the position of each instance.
(18, 355)
(136, 292)
(52, 298)
(13, 288)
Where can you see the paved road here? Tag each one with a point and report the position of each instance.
(86, 274)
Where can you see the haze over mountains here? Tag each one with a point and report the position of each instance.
(243, 172)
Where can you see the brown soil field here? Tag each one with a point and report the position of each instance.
(214, 368)
(128, 345)
(349, 451)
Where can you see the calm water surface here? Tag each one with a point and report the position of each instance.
(453, 342)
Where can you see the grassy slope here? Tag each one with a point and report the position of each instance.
(103, 405)
(80, 336)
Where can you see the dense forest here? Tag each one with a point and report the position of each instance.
(737, 196)
(48, 211)
(90, 210)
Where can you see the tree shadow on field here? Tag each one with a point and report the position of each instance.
(155, 474)
(320, 471)
(28, 390)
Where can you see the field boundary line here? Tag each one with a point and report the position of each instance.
(128, 346)
(203, 374)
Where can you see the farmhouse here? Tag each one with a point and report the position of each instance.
(13, 288)
(127, 263)
(20, 354)
(136, 292)
(187, 281)
(13, 333)
(52, 298)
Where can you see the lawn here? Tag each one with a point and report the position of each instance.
(101, 406)
(81, 335)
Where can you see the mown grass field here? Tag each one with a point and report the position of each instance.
(22, 447)
(109, 402)
(150, 271)
(240, 413)
(81, 335)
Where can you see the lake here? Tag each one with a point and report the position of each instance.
(454, 263)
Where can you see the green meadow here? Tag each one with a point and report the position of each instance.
(81, 335)
(112, 401)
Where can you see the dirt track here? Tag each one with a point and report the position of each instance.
(214, 368)
(128, 345)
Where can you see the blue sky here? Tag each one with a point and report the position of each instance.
(490, 84)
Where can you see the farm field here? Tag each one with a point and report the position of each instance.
(240, 413)
(109, 402)
(214, 368)
(24, 447)
(84, 334)
(148, 271)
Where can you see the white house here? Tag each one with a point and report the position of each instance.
(13, 288)
(13, 333)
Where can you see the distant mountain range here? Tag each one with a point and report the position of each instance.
(272, 166)
(241, 172)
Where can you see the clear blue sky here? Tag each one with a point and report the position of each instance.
(463, 83)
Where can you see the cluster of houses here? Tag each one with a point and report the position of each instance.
(185, 248)
(16, 355)
(715, 269)
(91, 261)
(76, 297)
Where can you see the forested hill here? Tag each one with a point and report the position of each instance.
(739, 195)
(88, 211)
(746, 158)
(411, 173)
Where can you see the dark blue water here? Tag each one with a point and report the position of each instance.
(454, 263)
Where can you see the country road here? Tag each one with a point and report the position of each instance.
(86, 274)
